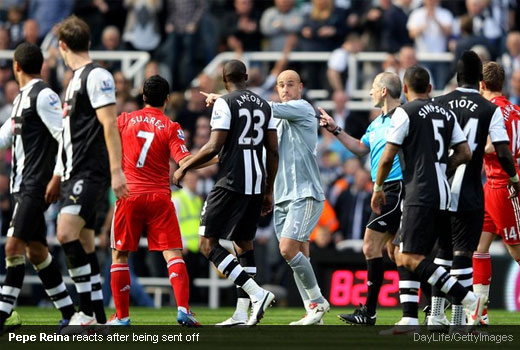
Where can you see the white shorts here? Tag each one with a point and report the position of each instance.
(296, 219)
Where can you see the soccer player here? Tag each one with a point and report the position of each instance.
(479, 119)
(385, 93)
(424, 131)
(298, 196)
(91, 156)
(33, 131)
(501, 216)
(149, 138)
(241, 125)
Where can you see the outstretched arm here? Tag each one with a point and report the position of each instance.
(354, 145)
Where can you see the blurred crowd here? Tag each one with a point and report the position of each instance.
(183, 36)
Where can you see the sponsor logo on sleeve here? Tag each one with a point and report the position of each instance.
(180, 134)
(107, 86)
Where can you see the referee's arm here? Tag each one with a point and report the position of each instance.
(351, 143)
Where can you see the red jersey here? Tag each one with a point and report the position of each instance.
(149, 138)
(496, 176)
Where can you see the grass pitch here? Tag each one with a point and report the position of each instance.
(273, 316)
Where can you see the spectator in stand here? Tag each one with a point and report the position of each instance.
(183, 34)
(14, 25)
(491, 19)
(394, 34)
(196, 106)
(241, 28)
(5, 39)
(338, 63)
(142, 24)
(323, 27)
(430, 26)
(514, 92)
(30, 32)
(93, 12)
(353, 206)
(11, 90)
(510, 60)
(467, 39)
(323, 234)
(110, 41)
(47, 13)
(279, 22)
(342, 183)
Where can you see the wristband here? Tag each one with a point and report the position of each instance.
(337, 131)
(514, 178)
(378, 188)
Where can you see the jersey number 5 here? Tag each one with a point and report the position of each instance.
(148, 136)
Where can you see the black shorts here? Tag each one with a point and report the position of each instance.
(390, 217)
(420, 229)
(463, 233)
(28, 222)
(230, 215)
(81, 196)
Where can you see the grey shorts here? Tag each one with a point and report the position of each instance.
(296, 219)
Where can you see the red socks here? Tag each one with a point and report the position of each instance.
(180, 281)
(481, 268)
(120, 283)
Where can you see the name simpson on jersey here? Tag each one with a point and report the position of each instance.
(140, 119)
(427, 109)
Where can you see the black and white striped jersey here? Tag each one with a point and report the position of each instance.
(33, 130)
(247, 117)
(425, 130)
(84, 150)
(478, 118)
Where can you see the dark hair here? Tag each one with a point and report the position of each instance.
(469, 68)
(234, 72)
(155, 91)
(493, 76)
(29, 57)
(417, 79)
(74, 32)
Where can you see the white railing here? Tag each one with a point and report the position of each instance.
(132, 62)
(321, 96)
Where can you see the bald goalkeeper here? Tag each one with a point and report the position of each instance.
(298, 196)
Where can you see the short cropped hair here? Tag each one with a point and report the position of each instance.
(417, 79)
(74, 32)
(392, 83)
(469, 68)
(29, 57)
(493, 76)
(155, 91)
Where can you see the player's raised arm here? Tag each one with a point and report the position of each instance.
(354, 145)
(107, 118)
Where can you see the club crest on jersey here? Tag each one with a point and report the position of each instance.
(107, 86)
(54, 100)
(180, 134)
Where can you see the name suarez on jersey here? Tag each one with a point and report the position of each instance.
(150, 120)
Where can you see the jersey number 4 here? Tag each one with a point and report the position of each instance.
(148, 136)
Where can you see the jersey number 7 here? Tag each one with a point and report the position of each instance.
(148, 136)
